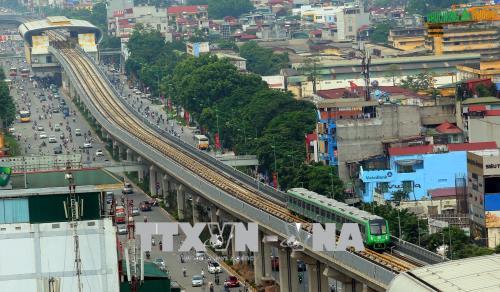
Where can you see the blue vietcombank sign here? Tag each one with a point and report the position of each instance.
(492, 202)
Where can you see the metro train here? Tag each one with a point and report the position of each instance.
(318, 208)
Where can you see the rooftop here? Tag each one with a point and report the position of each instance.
(442, 193)
(36, 27)
(481, 100)
(186, 9)
(448, 128)
(37, 252)
(472, 274)
(435, 149)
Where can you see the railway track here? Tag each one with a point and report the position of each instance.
(113, 110)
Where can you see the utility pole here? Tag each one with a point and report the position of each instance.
(74, 216)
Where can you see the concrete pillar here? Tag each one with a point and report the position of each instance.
(130, 155)
(196, 215)
(266, 257)
(318, 282)
(181, 192)
(152, 180)
(346, 283)
(164, 187)
(258, 261)
(213, 213)
(120, 152)
(140, 174)
(284, 270)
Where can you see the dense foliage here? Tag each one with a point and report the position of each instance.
(380, 32)
(419, 82)
(415, 230)
(218, 9)
(251, 118)
(96, 16)
(261, 60)
(7, 108)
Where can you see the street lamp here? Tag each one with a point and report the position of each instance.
(275, 167)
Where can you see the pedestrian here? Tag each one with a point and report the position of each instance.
(184, 272)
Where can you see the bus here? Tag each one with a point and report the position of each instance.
(25, 73)
(119, 215)
(201, 142)
(24, 116)
(13, 71)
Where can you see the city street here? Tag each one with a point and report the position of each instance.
(172, 259)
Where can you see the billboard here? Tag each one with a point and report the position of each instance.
(492, 219)
(5, 173)
(87, 42)
(492, 202)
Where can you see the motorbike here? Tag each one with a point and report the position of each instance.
(148, 255)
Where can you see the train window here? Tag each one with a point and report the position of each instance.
(322, 212)
(377, 227)
(317, 210)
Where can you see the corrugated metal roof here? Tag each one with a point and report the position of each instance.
(37, 252)
(429, 149)
(472, 274)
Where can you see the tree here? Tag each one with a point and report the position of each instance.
(392, 73)
(400, 195)
(419, 82)
(218, 9)
(423, 7)
(263, 61)
(7, 108)
(380, 33)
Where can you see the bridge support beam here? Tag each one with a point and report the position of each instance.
(130, 154)
(289, 277)
(152, 181)
(181, 201)
(121, 149)
(194, 204)
(345, 282)
(164, 187)
(258, 261)
(213, 213)
(140, 174)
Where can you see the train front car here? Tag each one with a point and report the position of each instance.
(377, 235)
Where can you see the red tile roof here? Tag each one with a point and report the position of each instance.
(442, 192)
(392, 90)
(448, 128)
(472, 146)
(186, 9)
(428, 149)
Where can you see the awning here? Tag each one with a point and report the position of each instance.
(477, 108)
(407, 162)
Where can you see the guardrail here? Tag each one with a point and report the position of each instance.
(417, 252)
(267, 191)
(343, 261)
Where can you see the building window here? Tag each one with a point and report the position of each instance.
(382, 187)
(350, 28)
(405, 168)
(408, 185)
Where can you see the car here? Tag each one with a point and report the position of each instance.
(78, 132)
(58, 150)
(135, 211)
(200, 255)
(55, 110)
(197, 281)
(87, 145)
(122, 229)
(160, 263)
(57, 128)
(57, 96)
(43, 98)
(231, 282)
(61, 136)
(214, 267)
(52, 139)
(99, 153)
(109, 197)
(43, 135)
(40, 128)
(127, 188)
(145, 206)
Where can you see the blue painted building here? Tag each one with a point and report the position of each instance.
(418, 169)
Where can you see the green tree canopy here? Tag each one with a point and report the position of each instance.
(7, 108)
(218, 9)
(380, 32)
(263, 61)
(421, 81)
